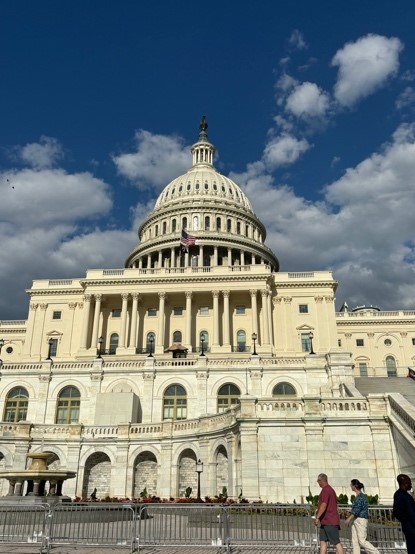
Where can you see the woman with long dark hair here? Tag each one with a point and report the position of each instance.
(359, 519)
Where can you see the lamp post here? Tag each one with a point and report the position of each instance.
(50, 343)
(99, 349)
(311, 336)
(151, 340)
(254, 337)
(199, 470)
(1, 346)
(202, 343)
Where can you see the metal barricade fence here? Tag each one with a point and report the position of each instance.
(194, 525)
(267, 525)
(20, 524)
(90, 524)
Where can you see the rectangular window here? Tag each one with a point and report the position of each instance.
(151, 312)
(116, 313)
(413, 342)
(303, 308)
(305, 342)
(177, 311)
(203, 310)
(53, 347)
(57, 315)
(339, 343)
(360, 342)
(363, 369)
(240, 310)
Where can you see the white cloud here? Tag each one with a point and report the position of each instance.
(405, 99)
(296, 40)
(307, 101)
(157, 160)
(364, 66)
(43, 154)
(284, 150)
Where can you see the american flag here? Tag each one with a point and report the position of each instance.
(186, 239)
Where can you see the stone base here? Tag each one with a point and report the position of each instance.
(33, 500)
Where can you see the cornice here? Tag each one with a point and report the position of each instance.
(374, 322)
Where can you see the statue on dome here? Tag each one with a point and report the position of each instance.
(203, 125)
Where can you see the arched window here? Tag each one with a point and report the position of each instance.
(207, 223)
(229, 225)
(391, 366)
(164, 227)
(241, 341)
(195, 223)
(150, 342)
(69, 401)
(113, 343)
(184, 223)
(15, 408)
(177, 336)
(284, 389)
(218, 223)
(238, 227)
(228, 395)
(175, 403)
(173, 225)
(205, 336)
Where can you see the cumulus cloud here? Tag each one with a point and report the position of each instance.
(362, 228)
(284, 150)
(156, 160)
(43, 154)
(365, 66)
(308, 101)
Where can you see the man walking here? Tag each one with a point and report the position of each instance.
(404, 510)
(327, 516)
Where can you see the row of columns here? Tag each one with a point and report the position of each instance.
(174, 259)
(124, 341)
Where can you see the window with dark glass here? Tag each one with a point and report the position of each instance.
(228, 395)
(303, 308)
(363, 369)
(68, 405)
(177, 336)
(240, 310)
(284, 389)
(178, 310)
(113, 343)
(360, 342)
(305, 342)
(173, 225)
(218, 223)
(15, 408)
(205, 336)
(116, 312)
(391, 366)
(207, 223)
(151, 312)
(175, 403)
(53, 347)
(229, 225)
(57, 315)
(241, 340)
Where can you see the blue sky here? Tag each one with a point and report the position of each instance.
(311, 106)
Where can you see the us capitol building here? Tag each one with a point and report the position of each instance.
(205, 352)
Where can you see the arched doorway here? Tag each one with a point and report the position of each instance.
(222, 477)
(145, 474)
(97, 475)
(187, 472)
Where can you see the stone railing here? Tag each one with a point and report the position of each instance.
(404, 411)
(12, 322)
(374, 313)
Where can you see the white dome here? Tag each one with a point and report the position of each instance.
(201, 182)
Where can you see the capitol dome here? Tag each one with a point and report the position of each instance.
(209, 207)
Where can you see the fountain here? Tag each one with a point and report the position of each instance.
(36, 477)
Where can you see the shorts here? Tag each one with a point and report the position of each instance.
(330, 533)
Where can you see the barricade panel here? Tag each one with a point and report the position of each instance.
(270, 525)
(184, 525)
(93, 524)
(23, 524)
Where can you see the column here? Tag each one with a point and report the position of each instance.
(215, 256)
(229, 257)
(265, 326)
(95, 327)
(140, 263)
(160, 335)
(254, 311)
(173, 257)
(215, 295)
(188, 338)
(270, 319)
(186, 259)
(30, 328)
(226, 339)
(148, 261)
(160, 259)
(242, 257)
(134, 316)
(85, 325)
(200, 260)
(124, 297)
